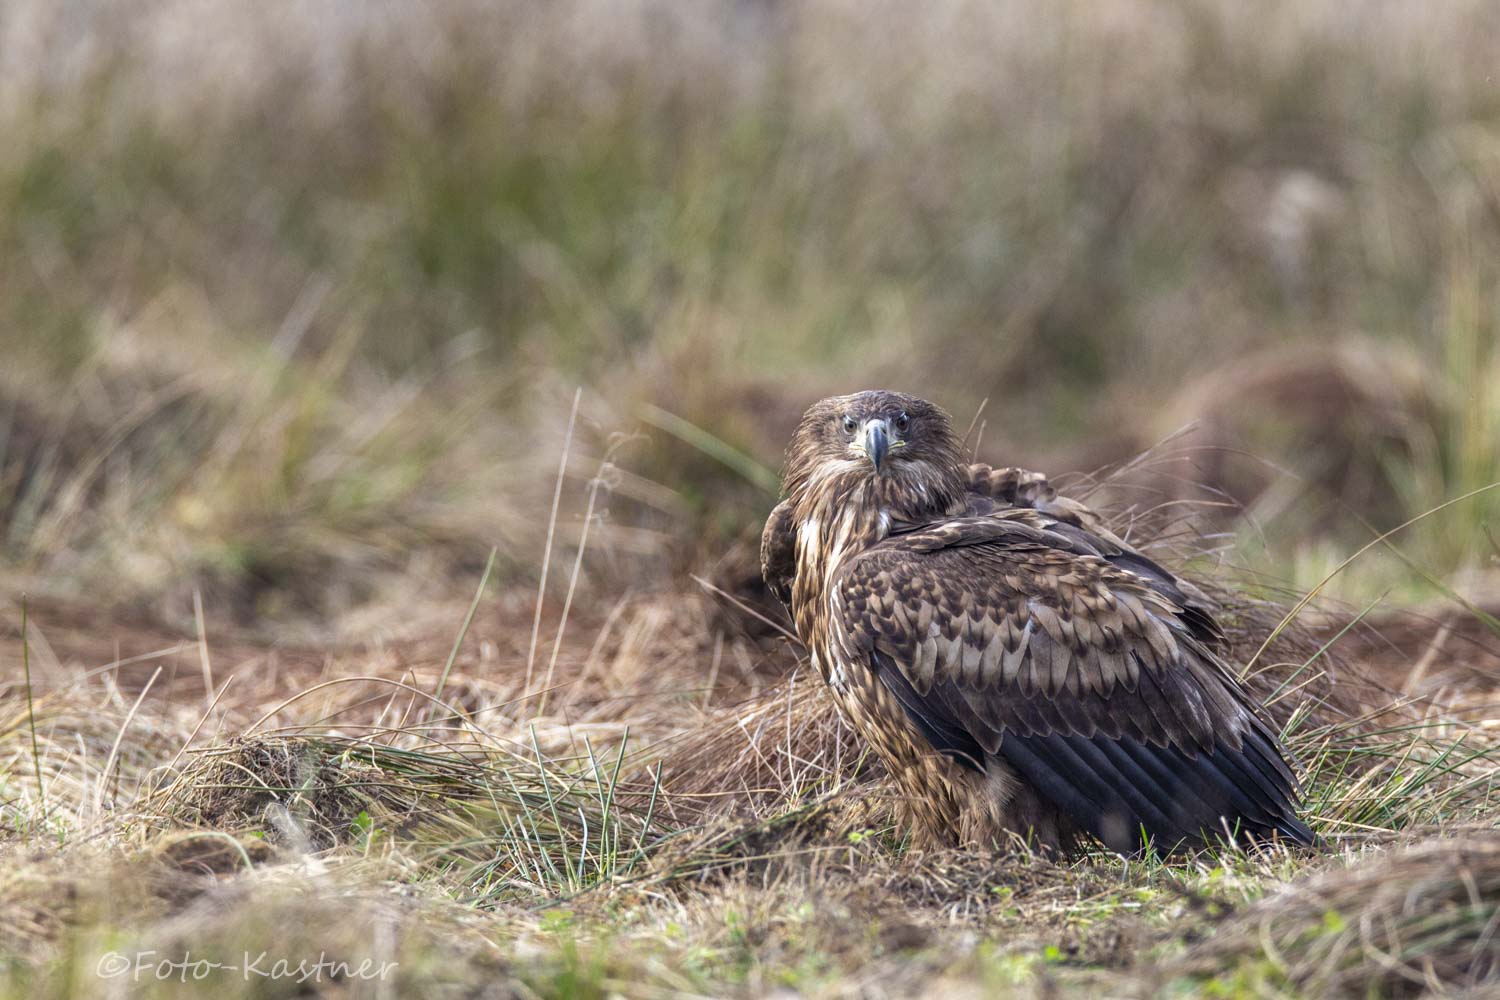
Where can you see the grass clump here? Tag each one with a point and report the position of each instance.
(1408, 922)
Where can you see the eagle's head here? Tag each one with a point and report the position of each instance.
(898, 451)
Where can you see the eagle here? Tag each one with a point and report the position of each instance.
(1023, 673)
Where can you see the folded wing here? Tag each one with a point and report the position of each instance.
(1019, 635)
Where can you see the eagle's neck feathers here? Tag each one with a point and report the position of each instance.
(842, 510)
(827, 534)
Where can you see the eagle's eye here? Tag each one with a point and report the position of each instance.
(902, 421)
(849, 424)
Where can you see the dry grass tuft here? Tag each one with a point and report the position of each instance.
(1412, 921)
(303, 793)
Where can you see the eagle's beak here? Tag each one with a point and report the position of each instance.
(876, 441)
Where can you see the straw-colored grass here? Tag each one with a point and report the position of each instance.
(640, 805)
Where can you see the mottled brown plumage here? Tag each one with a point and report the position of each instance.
(1021, 671)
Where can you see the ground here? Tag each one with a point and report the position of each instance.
(686, 816)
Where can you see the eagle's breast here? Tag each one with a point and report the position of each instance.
(841, 526)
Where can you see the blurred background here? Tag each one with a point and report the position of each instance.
(295, 298)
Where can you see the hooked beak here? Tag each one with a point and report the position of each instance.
(876, 441)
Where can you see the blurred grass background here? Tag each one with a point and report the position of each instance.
(294, 298)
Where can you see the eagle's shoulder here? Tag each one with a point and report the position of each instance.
(991, 488)
(1009, 485)
(778, 552)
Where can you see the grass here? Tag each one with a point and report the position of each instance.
(740, 845)
(310, 324)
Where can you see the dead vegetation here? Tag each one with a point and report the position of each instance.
(1409, 921)
(655, 796)
(666, 787)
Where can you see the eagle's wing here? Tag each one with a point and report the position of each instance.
(1003, 635)
(990, 489)
(778, 552)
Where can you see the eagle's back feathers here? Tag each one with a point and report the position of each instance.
(1000, 638)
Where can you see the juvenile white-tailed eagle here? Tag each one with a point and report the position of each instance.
(1019, 669)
